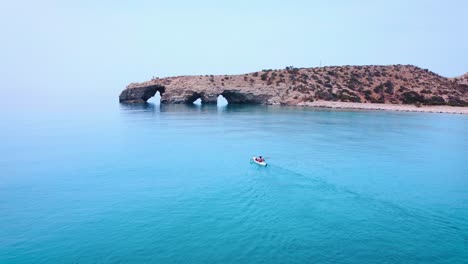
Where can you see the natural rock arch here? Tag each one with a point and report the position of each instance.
(301, 86)
(193, 97)
(141, 94)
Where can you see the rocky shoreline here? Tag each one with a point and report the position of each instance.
(391, 85)
(388, 107)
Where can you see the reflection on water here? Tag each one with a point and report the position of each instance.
(187, 108)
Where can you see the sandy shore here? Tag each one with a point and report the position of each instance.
(389, 107)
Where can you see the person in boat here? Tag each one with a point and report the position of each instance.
(259, 159)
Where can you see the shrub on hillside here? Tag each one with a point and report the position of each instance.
(368, 95)
(411, 97)
(389, 86)
(292, 70)
(379, 88)
(426, 91)
(436, 100)
(454, 101)
(349, 96)
(463, 88)
(443, 92)
(300, 88)
(324, 95)
(381, 100)
(402, 89)
(353, 82)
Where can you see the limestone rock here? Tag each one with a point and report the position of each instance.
(393, 84)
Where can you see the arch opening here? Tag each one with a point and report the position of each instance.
(236, 97)
(195, 98)
(221, 101)
(156, 99)
(240, 97)
(197, 102)
(152, 92)
(140, 94)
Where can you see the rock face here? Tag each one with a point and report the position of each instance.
(394, 84)
(140, 94)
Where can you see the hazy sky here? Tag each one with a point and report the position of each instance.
(48, 46)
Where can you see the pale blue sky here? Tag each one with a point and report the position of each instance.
(50, 46)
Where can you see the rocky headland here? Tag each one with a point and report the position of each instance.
(393, 84)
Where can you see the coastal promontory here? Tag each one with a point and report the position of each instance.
(392, 84)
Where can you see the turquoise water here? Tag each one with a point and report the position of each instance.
(174, 184)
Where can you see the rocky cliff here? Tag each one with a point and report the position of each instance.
(394, 84)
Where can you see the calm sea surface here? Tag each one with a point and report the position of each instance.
(174, 184)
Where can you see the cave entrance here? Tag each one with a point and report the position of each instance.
(156, 99)
(195, 98)
(221, 101)
(152, 92)
(236, 97)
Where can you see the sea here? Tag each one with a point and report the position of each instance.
(152, 183)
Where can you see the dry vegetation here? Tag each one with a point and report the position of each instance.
(394, 84)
